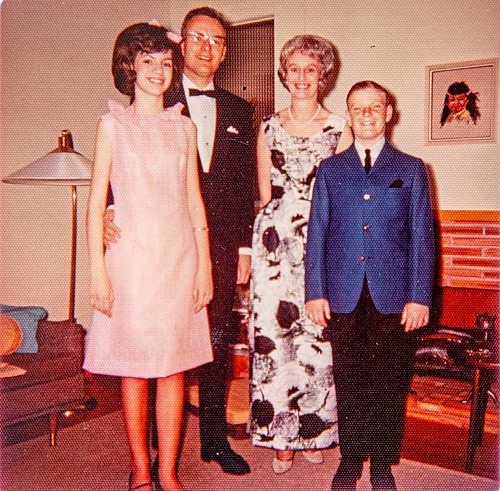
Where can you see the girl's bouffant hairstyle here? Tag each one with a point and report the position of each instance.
(141, 38)
(318, 48)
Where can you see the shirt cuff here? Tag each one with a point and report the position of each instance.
(245, 250)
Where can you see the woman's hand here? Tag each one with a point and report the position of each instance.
(101, 295)
(203, 289)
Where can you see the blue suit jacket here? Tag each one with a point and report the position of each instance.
(378, 225)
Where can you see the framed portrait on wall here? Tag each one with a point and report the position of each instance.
(461, 102)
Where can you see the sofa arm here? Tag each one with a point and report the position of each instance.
(60, 337)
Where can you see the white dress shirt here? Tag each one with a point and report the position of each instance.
(202, 110)
(374, 150)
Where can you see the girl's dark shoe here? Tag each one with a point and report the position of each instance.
(139, 486)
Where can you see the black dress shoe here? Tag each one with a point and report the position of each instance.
(347, 475)
(229, 460)
(382, 479)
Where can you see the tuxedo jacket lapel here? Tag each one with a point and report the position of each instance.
(227, 188)
(220, 128)
(178, 95)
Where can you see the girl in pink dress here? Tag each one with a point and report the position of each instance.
(150, 290)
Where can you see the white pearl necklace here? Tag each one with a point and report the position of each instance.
(305, 123)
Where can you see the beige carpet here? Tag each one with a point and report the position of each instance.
(93, 456)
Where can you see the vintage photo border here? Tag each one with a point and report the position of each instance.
(433, 108)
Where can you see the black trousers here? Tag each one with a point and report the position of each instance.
(213, 376)
(373, 361)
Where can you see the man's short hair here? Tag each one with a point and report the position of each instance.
(207, 12)
(367, 84)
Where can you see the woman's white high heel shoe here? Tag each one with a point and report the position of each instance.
(281, 466)
(313, 456)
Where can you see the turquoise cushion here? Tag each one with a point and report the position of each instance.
(27, 318)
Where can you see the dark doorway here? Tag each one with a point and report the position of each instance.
(248, 70)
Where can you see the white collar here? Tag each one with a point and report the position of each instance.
(189, 84)
(375, 149)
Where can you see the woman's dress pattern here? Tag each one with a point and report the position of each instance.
(293, 404)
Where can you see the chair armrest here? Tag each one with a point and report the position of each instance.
(466, 335)
(60, 337)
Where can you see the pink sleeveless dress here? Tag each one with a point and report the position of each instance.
(153, 331)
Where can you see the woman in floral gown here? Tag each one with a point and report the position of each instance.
(293, 405)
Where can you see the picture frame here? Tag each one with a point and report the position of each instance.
(461, 102)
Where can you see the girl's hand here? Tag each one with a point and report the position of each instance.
(203, 289)
(101, 295)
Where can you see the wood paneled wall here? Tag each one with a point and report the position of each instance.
(468, 278)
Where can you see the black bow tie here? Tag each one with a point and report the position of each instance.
(208, 93)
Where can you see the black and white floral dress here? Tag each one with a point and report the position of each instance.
(293, 404)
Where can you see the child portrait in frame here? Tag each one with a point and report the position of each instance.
(461, 100)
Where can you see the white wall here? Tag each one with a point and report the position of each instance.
(56, 74)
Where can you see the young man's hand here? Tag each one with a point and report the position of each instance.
(415, 316)
(319, 311)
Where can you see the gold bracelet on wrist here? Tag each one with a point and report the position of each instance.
(200, 229)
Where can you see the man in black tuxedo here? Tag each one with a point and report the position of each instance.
(226, 160)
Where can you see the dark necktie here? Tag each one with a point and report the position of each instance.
(368, 161)
(208, 93)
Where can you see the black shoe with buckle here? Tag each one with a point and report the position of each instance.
(229, 460)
